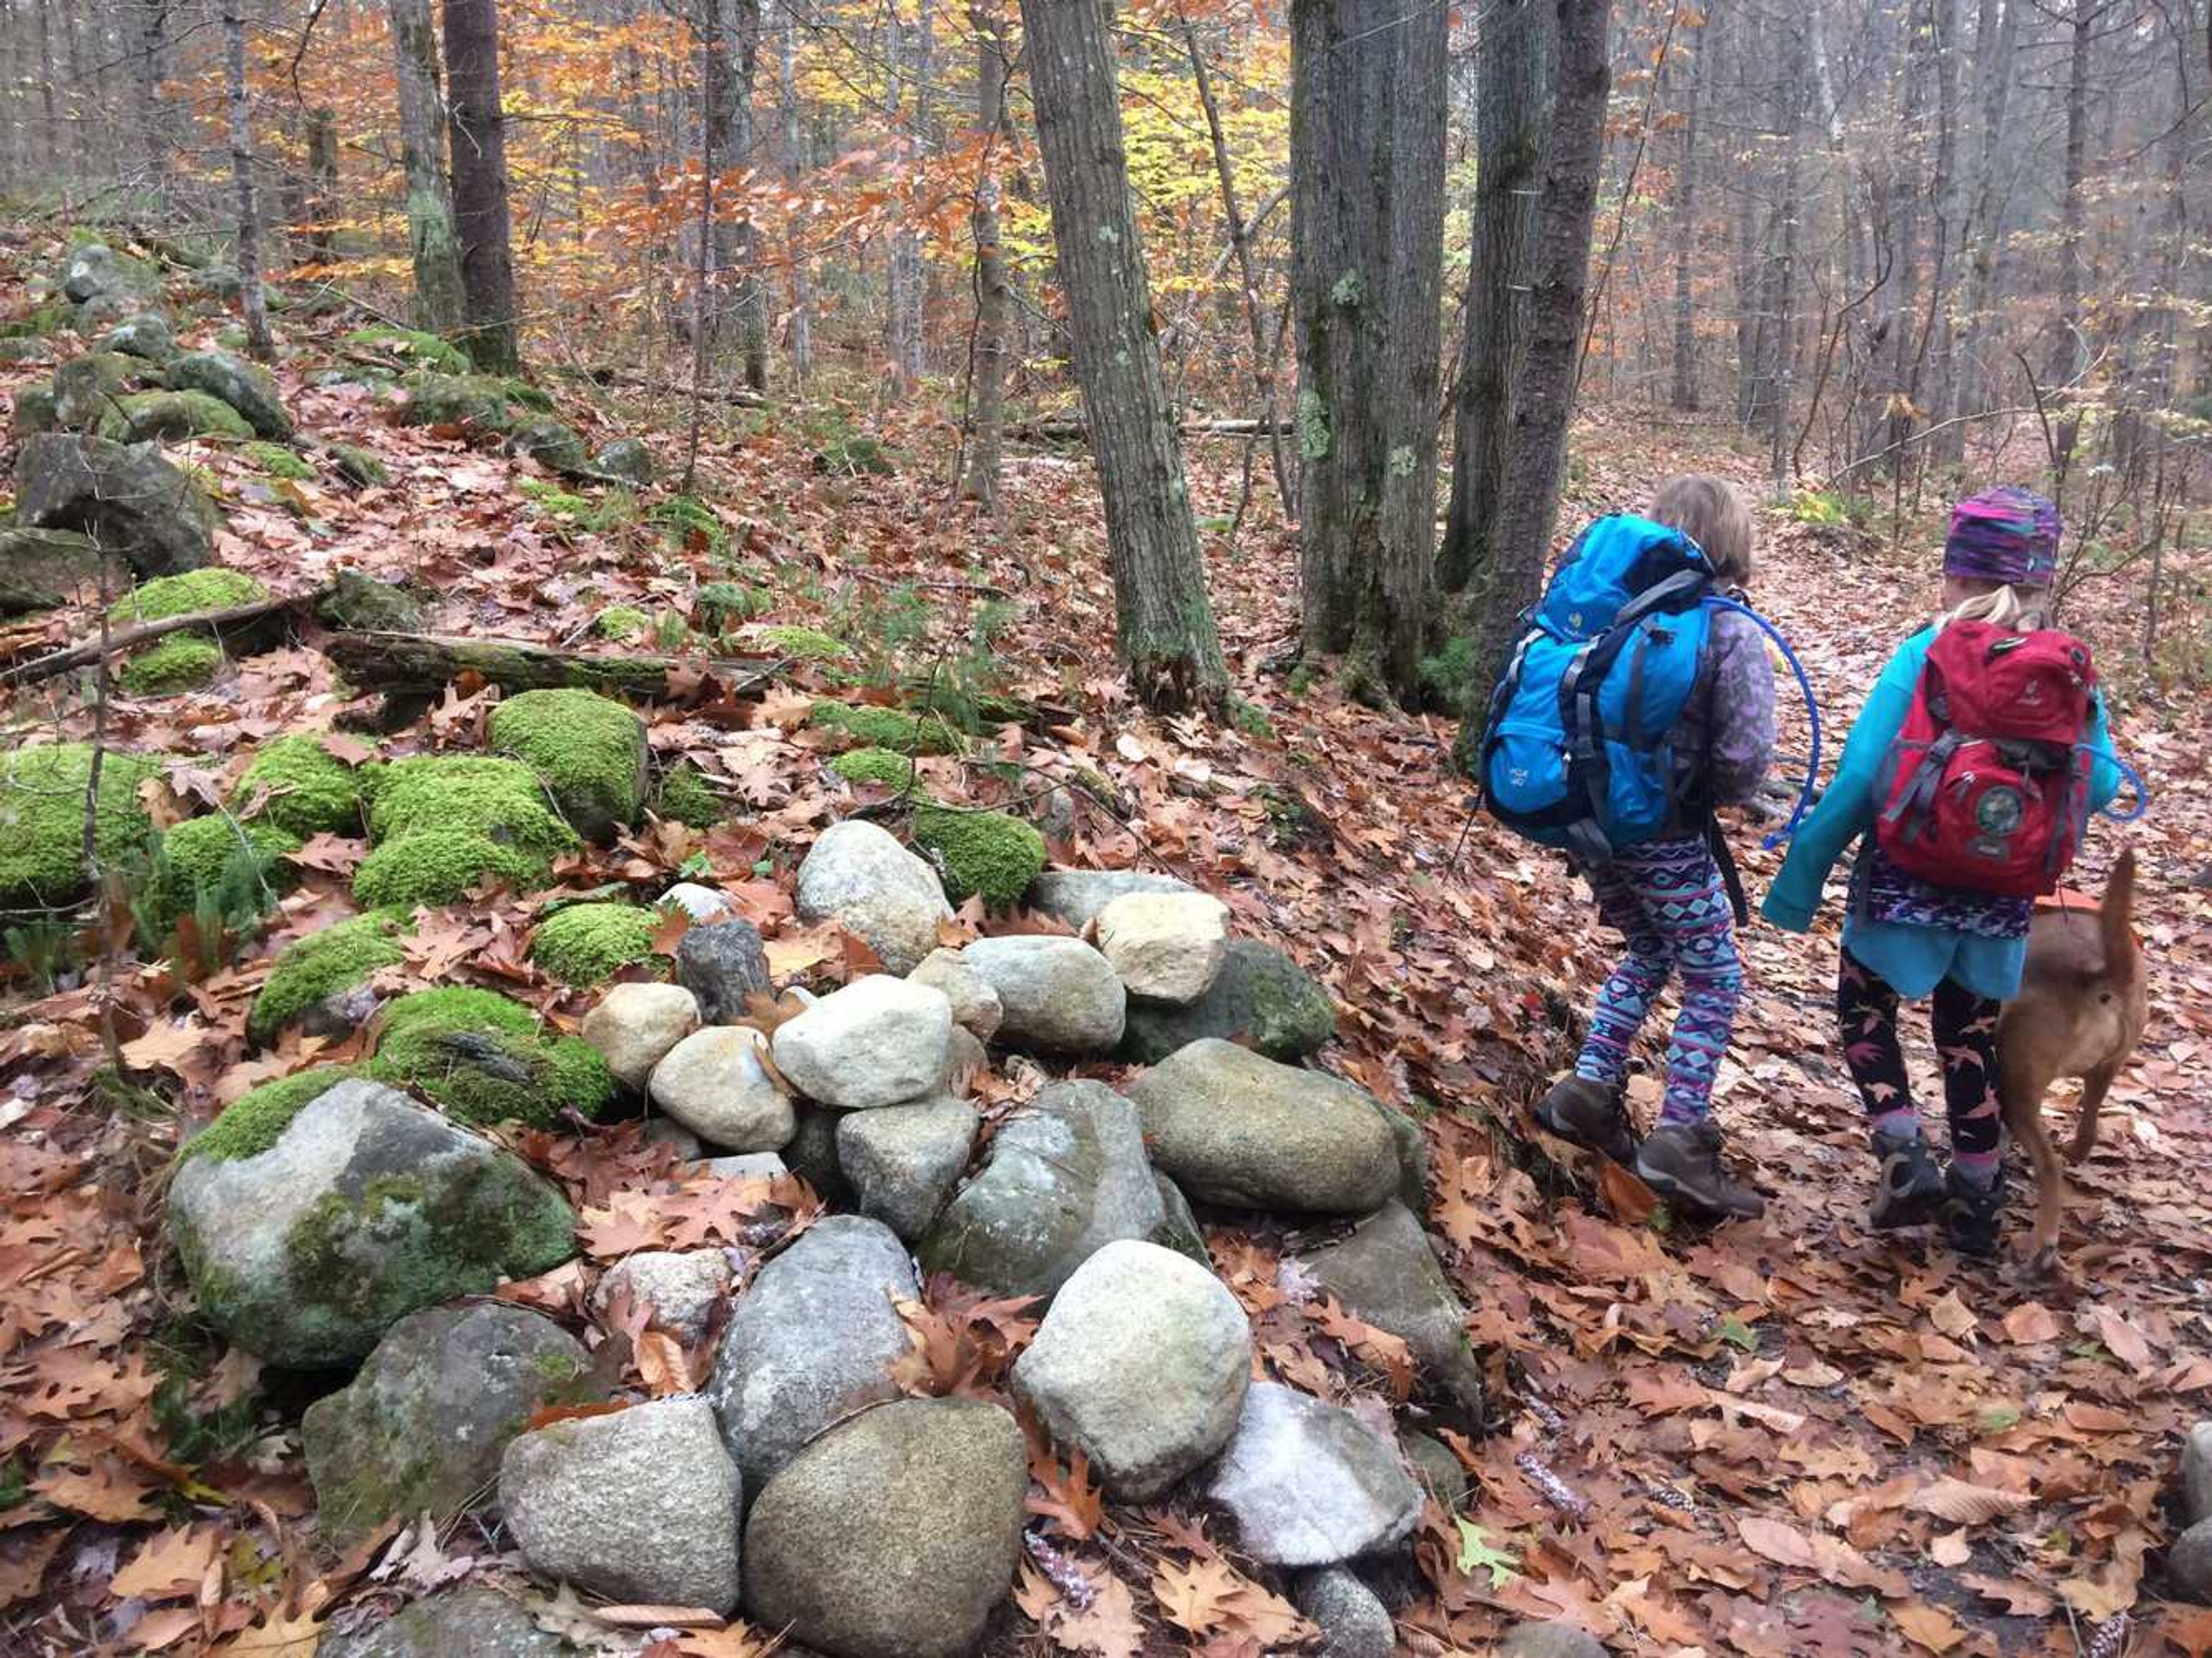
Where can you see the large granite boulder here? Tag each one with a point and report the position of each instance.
(879, 1041)
(904, 1160)
(133, 501)
(1309, 1484)
(1058, 994)
(1259, 996)
(1386, 1274)
(360, 1207)
(245, 387)
(1073, 897)
(860, 877)
(1232, 1126)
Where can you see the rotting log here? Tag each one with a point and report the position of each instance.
(423, 662)
(123, 639)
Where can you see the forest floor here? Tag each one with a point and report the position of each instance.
(1774, 1438)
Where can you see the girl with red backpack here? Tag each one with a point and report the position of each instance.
(1966, 782)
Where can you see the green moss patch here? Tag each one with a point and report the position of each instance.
(882, 765)
(359, 465)
(212, 589)
(687, 521)
(589, 943)
(42, 792)
(312, 969)
(479, 402)
(436, 866)
(809, 644)
(279, 462)
(220, 863)
(180, 662)
(885, 728)
(413, 345)
(500, 800)
(685, 798)
(301, 786)
(720, 606)
(985, 853)
(622, 623)
(589, 749)
(485, 1060)
(254, 1121)
(175, 416)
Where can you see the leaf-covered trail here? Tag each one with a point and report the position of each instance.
(1777, 1438)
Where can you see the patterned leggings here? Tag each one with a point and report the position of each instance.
(1667, 898)
(1965, 1027)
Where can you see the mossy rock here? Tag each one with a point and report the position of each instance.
(626, 461)
(210, 589)
(486, 1059)
(256, 1120)
(498, 798)
(95, 270)
(34, 410)
(551, 444)
(303, 787)
(42, 321)
(42, 569)
(279, 462)
(722, 606)
(174, 664)
(146, 336)
(479, 402)
(358, 466)
(247, 387)
(42, 792)
(622, 623)
(808, 644)
(90, 390)
(219, 860)
(358, 600)
(686, 798)
(436, 866)
(589, 749)
(174, 416)
(869, 726)
(986, 854)
(589, 943)
(1260, 997)
(883, 767)
(413, 346)
(309, 971)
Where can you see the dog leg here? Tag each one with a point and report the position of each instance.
(2021, 1098)
(2095, 1084)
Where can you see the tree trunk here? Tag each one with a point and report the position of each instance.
(1997, 51)
(1685, 396)
(478, 133)
(1163, 624)
(994, 298)
(1779, 447)
(1941, 376)
(1367, 156)
(439, 302)
(1515, 44)
(906, 58)
(737, 318)
(322, 180)
(252, 301)
(795, 161)
(153, 106)
(1558, 277)
(2065, 359)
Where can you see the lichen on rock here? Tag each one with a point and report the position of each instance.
(252, 1123)
(589, 943)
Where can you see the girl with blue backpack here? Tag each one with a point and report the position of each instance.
(1639, 700)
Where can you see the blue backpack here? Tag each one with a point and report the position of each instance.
(1576, 752)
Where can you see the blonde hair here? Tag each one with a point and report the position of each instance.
(1709, 511)
(2022, 609)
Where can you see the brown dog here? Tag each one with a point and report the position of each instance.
(2083, 1004)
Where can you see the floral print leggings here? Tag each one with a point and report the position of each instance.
(1965, 1027)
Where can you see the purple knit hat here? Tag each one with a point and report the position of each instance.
(2006, 534)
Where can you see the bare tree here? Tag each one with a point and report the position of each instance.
(994, 298)
(439, 302)
(252, 301)
(1164, 623)
(1685, 390)
(735, 313)
(1559, 277)
(479, 130)
(1515, 43)
(1367, 162)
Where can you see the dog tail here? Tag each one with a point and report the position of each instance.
(2116, 921)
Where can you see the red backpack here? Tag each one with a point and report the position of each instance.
(1987, 782)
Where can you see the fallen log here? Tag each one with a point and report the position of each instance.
(1069, 430)
(123, 639)
(423, 662)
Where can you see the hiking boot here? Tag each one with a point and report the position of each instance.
(1908, 1190)
(1972, 1215)
(1593, 1116)
(1682, 1160)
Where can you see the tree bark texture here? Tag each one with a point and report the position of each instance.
(1558, 277)
(1515, 46)
(252, 301)
(1685, 389)
(1164, 623)
(439, 304)
(322, 180)
(994, 298)
(737, 318)
(1367, 163)
(478, 134)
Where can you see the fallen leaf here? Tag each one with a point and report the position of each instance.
(169, 1566)
(1928, 1626)
(1964, 1504)
(2031, 1322)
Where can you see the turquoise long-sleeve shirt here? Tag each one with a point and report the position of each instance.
(1914, 959)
